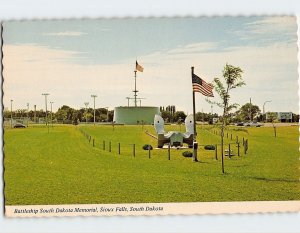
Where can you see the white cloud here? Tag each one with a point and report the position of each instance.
(270, 73)
(65, 33)
(32, 70)
(193, 48)
(269, 28)
(278, 24)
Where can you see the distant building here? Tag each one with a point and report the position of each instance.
(143, 115)
(285, 116)
(282, 116)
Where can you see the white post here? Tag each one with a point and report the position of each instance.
(86, 105)
(94, 96)
(11, 115)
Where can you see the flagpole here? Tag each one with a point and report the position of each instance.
(195, 144)
(135, 91)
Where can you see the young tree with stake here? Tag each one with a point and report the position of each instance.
(232, 79)
(272, 116)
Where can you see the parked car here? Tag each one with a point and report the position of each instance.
(240, 124)
(253, 124)
(19, 125)
(256, 124)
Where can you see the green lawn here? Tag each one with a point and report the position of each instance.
(63, 167)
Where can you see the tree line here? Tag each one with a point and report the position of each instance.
(65, 114)
(68, 115)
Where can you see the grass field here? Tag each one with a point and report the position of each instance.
(63, 167)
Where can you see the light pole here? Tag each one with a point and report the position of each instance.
(11, 117)
(51, 113)
(86, 109)
(27, 113)
(106, 114)
(86, 105)
(250, 110)
(268, 101)
(35, 114)
(94, 96)
(46, 94)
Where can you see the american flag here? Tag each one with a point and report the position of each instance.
(199, 85)
(138, 67)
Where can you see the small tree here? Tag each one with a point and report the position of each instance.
(233, 78)
(272, 116)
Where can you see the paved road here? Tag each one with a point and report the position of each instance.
(280, 124)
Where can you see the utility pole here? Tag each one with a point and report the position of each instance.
(27, 113)
(46, 94)
(51, 113)
(35, 114)
(86, 105)
(106, 114)
(11, 114)
(94, 96)
(268, 101)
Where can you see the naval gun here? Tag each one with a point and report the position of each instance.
(175, 138)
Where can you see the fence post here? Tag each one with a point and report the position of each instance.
(169, 151)
(243, 141)
(246, 146)
(133, 150)
(149, 152)
(238, 146)
(109, 148)
(237, 138)
(229, 154)
(119, 148)
(103, 145)
(216, 152)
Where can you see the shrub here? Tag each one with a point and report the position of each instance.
(147, 147)
(187, 154)
(209, 147)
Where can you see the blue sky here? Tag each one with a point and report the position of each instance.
(72, 59)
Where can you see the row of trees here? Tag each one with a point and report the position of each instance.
(65, 114)
(170, 115)
(251, 112)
